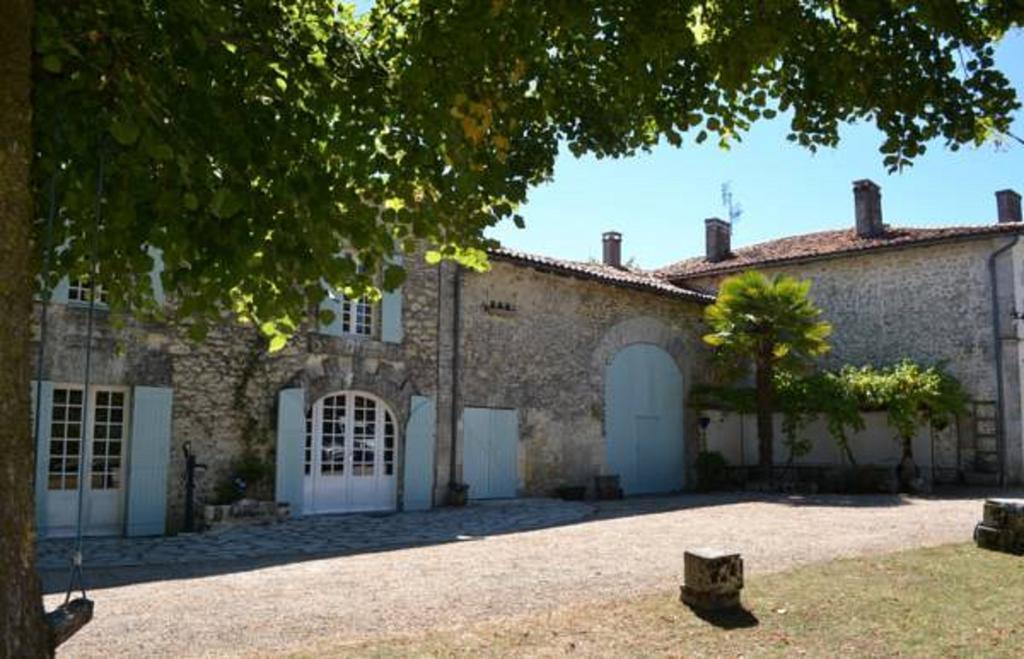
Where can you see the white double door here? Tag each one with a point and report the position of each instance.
(93, 436)
(350, 455)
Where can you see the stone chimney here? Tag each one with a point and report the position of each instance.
(1008, 203)
(612, 248)
(867, 200)
(717, 239)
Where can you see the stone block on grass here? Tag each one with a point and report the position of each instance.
(712, 579)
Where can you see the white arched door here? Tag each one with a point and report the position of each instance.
(351, 454)
(644, 420)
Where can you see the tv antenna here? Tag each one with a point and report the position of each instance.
(734, 209)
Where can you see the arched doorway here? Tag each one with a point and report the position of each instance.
(351, 454)
(644, 420)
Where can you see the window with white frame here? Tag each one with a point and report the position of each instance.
(351, 316)
(106, 440)
(356, 316)
(354, 431)
(80, 290)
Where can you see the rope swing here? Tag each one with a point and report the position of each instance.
(73, 614)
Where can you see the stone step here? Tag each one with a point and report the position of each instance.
(1004, 514)
(997, 539)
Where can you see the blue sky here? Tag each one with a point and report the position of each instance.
(659, 200)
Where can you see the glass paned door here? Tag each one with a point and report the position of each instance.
(101, 447)
(350, 455)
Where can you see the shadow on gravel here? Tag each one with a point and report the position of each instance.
(211, 554)
(650, 505)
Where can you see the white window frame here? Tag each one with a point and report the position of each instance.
(385, 438)
(80, 286)
(87, 435)
(349, 313)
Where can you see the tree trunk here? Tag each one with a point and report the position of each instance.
(765, 425)
(907, 468)
(23, 631)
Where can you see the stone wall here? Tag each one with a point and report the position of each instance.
(225, 388)
(932, 304)
(546, 354)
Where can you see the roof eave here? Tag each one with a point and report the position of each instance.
(551, 268)
(925, 242)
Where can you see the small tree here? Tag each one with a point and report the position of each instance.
(769, 324)
(911, 394)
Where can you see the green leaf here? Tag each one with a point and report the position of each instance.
(191, 201)
(225, 203)
(394, 276)
(125, 131)
(281, 83)
(52, 63)
(277, 342)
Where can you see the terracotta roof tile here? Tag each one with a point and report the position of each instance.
(622, 277)
(825, 244)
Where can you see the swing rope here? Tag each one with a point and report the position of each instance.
(47, 294)
(85, 454)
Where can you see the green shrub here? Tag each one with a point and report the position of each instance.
(250, 476)
(909, 393)
(712, 471)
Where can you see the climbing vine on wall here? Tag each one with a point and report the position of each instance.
(908, 392)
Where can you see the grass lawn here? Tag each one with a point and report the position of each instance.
(952, 600)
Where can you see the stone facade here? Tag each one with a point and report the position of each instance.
(225, 388)
(545, 358)
(932, 304)
(546, 355)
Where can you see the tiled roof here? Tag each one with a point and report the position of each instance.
(622, 277)
(826, 244)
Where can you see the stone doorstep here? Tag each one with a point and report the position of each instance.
(246, 512)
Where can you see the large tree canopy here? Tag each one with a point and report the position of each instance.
(248, 140)
(253, 140)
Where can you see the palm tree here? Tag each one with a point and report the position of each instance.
(772, 325)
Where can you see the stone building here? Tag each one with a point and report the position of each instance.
(952, 295)
(537, 374)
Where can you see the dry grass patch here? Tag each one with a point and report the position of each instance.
(945, 601)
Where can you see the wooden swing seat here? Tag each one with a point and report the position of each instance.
(65, 621)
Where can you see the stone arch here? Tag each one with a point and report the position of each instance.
(322, 376)
(639, 329)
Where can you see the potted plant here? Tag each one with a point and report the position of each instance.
(458, 494)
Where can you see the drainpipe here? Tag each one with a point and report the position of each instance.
(998, 345)
(456, 314)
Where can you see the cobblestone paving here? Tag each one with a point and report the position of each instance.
(329, 535)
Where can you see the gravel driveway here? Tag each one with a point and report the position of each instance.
(624, 548)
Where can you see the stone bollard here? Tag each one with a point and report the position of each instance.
(712, 579)
(1002, 526)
